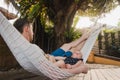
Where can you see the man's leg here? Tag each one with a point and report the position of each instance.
(75, 43)
(78, 47)
(79, 43)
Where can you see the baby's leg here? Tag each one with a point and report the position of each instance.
(79, 46)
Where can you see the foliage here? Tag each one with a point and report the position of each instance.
(110, 42)
(60, 13)
(69, 35)
(33, 8)
(118, 23)
(75, 21)
(97, 7)
(100, 41)
(49, 31)
(72, 34)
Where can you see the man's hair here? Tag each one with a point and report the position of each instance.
(19, 24)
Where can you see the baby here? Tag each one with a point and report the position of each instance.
(66, 62)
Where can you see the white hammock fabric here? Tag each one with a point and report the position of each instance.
(86, 49)
(30, 56)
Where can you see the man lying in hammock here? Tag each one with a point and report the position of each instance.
(69, 50)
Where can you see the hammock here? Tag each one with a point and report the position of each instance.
(30, 56)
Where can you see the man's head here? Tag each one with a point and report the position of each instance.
(25, 28)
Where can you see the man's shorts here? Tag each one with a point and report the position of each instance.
(61, 52)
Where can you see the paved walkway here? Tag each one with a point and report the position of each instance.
(96, 72)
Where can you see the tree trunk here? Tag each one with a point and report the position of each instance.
(64, 20)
